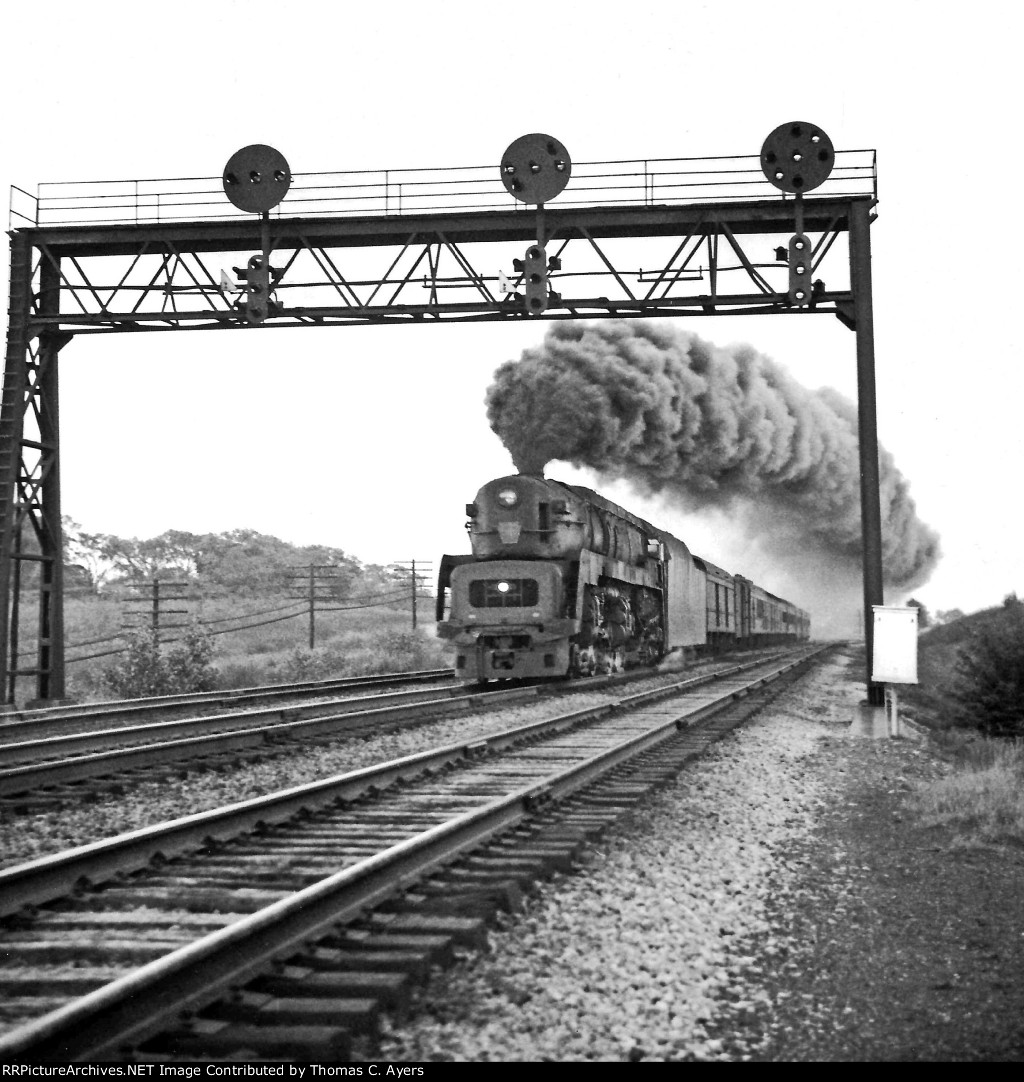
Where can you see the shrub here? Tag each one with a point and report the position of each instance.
(316, 664)
(189, 665)
(144, 670)
(989, 687)
(397, 650)
(242, 674)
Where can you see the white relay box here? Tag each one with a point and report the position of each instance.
(894, 652)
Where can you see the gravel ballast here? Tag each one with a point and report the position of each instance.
(779, 901)
(174, 792)
(776, 902)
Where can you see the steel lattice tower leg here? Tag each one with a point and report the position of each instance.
(30, 478)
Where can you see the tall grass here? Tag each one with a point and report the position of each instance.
(357, 642)
(983, 799)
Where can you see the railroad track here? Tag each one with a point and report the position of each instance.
(51, 770)
(22, 725)
(257, 930)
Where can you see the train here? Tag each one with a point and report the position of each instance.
(562, 583)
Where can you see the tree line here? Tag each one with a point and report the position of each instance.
(237, 563)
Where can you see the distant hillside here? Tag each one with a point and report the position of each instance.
(961, 630)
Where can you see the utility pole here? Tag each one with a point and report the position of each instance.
(314, 584)
(414, 580)
(312, 606)
(867, 428)
(156, 602)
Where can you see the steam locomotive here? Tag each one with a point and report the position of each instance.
(562, 582)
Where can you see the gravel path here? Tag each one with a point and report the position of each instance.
(776, 903)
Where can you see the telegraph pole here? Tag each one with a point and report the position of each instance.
(157, 602)
(312, 607)
(414, 581)
(312, 584)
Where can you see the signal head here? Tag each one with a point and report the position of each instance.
(256, 178)
(797, 157)
(535, 168)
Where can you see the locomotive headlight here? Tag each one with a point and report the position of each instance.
(503, 587)
(508, 497)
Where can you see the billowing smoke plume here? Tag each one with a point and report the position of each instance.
(709, 428)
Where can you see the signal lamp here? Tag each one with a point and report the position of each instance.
(535, 276)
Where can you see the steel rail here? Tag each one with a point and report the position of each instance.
(50, 747)
(188, 701)
(105, 1022)
(172, 741)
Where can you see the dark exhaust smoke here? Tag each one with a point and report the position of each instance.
(708, 428)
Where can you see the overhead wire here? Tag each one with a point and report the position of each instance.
(380, 601)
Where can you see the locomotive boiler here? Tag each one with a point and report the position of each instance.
(563, 582)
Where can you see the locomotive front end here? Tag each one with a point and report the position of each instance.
(504, 620)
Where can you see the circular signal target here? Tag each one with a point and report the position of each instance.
(256, 178)
(797, 157)
(535, 168)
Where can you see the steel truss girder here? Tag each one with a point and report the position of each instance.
(156, 278)
(328, 272)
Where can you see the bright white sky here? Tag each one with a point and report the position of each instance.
(373, 439)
